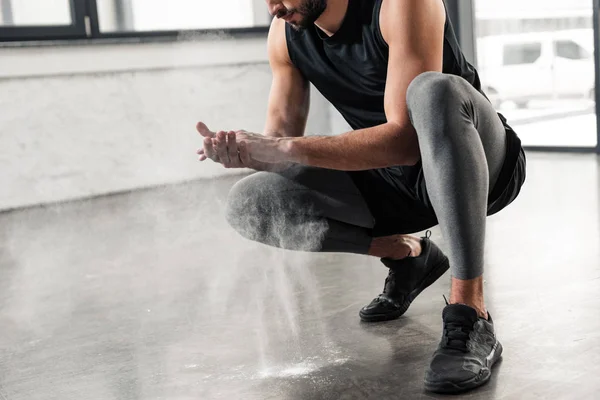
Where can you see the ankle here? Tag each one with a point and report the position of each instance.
(469, 293)
(396, 247)
(479, 307)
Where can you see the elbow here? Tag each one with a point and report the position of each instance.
(412, 152)
(407, 152)
(410, 160)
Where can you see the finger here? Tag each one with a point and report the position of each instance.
(222, 148)
(209, 150)
(244, 155)
(204, 131)
(241, 135)
(216, 157)
(232, 150)
(200, 152)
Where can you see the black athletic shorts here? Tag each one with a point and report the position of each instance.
(397, 197)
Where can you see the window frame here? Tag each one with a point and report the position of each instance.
(86, 26)
(76, 30)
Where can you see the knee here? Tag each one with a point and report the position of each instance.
(248, 204)
(264, 208)
(436, 103)
(429, 91)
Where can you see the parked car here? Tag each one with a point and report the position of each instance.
(549, 65)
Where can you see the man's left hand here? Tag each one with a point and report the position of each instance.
(241, 149)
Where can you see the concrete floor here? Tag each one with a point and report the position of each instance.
(150, 295)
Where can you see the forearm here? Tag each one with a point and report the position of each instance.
(285, 126)
(382, 146)
(273, 167)
(279, 127)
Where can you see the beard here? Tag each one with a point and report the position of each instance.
(310, 11)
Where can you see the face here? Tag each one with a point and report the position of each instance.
(298, 13)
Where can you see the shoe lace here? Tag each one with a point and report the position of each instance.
(389, 282)
(457, 335)
(388, 286)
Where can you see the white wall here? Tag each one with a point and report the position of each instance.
(261, 13)
(126, 119)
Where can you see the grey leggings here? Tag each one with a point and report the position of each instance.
(463, 147)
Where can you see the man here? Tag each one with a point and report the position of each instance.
(426, 148)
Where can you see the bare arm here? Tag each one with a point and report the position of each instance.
(414, 31)
(289, 100)
(286, 116)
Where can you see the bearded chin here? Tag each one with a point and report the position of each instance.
(311, 10)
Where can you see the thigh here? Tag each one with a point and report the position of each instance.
(394, 201)
(307, 191)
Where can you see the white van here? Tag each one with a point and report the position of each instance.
(549, 65)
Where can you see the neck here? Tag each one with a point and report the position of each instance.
(332, 18)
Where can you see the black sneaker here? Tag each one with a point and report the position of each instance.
(466, 354)
(406, 280)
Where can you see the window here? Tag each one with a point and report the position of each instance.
(60, 19)
(522, 53)
(548, 100)
(35, 12)
(571, 50)
(154, 15)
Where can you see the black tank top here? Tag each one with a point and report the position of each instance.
(350, 70)
(350, 67)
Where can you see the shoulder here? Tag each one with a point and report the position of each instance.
(405, 14)
(277, 43)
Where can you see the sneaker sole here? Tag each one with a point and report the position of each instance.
(429, 279)
(447, 387)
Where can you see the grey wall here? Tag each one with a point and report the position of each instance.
(72, 136)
